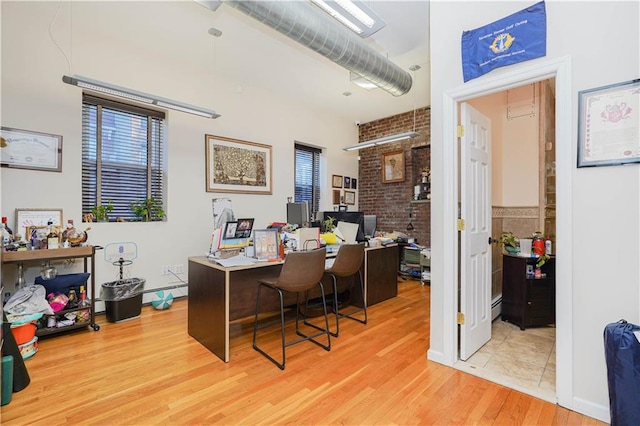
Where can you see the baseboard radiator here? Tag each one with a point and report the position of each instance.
(496, 307)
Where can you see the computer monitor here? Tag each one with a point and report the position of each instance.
(351, 217)
(298, 213)
(370, 222)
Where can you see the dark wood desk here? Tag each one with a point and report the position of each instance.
(219, 295)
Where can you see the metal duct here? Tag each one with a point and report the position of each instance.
(308, 25)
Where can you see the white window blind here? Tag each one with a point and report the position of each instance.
(122, 155)
(307, 171)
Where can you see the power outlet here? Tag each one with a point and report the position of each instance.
(165, 269)
(179, 269)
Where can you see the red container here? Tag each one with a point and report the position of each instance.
(538, 245)
(23, 333)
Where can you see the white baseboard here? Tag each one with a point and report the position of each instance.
(436, 356)
(496, 307)
(591, 409)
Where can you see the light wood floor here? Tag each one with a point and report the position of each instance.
(150, 371)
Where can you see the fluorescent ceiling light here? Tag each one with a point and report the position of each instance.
(134, 95)
(354, 14)
(381, 141)
(361, 81)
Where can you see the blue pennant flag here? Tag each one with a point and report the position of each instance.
(516, 38)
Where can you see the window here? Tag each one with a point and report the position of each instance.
(307, 169)
(122, 155)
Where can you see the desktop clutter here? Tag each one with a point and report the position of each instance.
(237, 243)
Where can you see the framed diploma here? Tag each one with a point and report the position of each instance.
(24, 149)
(609, 125)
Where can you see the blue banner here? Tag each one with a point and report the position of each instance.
(516, 38)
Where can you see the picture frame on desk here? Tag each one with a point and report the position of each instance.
(393, 167)
(237, 166)
(608, 123)
(265, 242)
(25, 149)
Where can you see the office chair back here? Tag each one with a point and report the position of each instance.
(302, 270)
(348, 261)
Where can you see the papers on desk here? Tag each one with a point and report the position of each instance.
(239, 260)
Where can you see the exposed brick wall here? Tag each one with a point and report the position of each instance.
(390, 202)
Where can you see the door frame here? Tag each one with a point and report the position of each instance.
(560, 69)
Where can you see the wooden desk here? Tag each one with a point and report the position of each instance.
(219, 295)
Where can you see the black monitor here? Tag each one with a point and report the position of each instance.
(351, 217)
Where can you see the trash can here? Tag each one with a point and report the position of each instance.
(123, 298)
(622, 354)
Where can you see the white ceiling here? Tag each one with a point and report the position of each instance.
(250, 54)
(255, 54)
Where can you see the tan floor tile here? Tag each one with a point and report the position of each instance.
(479, 359)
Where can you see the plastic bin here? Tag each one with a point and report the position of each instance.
(7, 379)
(123, 299)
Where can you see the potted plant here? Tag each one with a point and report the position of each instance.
(148, 210)
(328, 224)
(509, 241)
(101, 211)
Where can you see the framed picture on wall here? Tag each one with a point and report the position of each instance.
(608, 123)
(393, 166)
(336, 196)
(336, 181)
(24, 149)
(237, 166)
(354, 183)
(349, 197)
(347, 182)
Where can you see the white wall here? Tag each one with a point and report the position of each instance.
(35, 98)
(514, 146)
(603, 204)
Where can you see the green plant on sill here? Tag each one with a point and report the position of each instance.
(148, 210)
(101, 211)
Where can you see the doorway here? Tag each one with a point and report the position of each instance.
(560, 69)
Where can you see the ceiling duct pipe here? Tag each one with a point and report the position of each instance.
(311, 27)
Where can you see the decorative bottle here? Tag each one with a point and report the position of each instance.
(7, 233)
(53, 241)
(547, 245)
(20, 281)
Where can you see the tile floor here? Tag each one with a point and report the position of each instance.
(524, 360)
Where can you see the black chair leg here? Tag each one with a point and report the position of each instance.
(364, 305)
(311, 338)
(256, 327)
(321, 330)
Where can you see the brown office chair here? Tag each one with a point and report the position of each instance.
(300, 272)
(347, 263)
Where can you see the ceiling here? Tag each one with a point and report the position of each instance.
(254, 54)
(251, 55)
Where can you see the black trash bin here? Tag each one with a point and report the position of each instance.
(123, 298)
(622, 354)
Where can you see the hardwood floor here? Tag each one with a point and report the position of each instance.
(150, 371)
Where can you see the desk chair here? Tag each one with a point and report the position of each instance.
(301, 271)
(348, 261)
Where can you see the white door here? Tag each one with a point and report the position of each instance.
(475, 256)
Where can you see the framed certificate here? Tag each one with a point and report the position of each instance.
(25, 149)
(609, 125)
